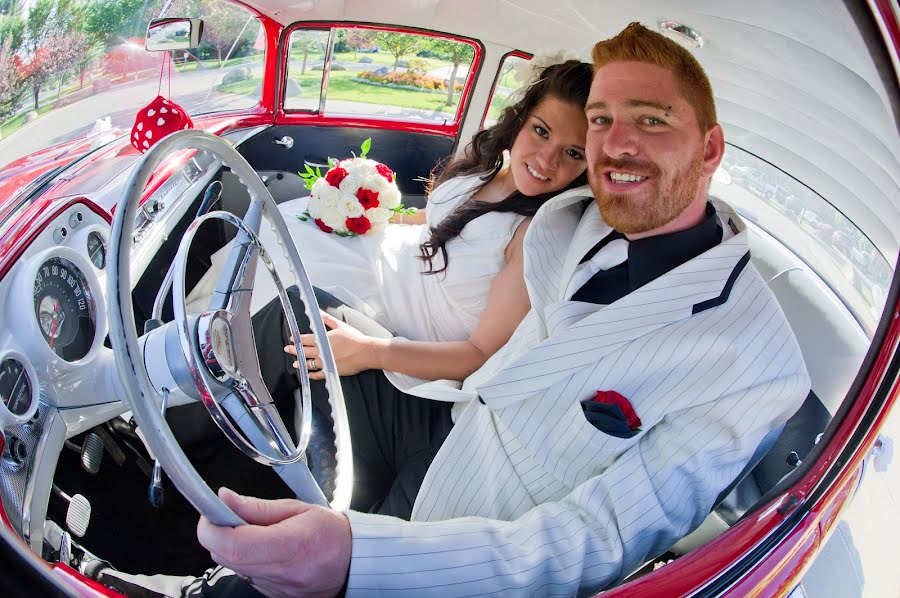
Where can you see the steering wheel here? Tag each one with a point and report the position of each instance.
(218, 363)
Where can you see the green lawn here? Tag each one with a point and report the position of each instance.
(342, 87)
(15, 123)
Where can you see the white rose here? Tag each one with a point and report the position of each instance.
(318, 186)
(332, 218)
(363, 170)
(390, 198)
(380, 184)
(378, 215)
(349, 206)
(330, 196)
(350, 184)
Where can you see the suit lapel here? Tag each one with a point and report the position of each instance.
(591, 229)
(547, 246)
(582, 334)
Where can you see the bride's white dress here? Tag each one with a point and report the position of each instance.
(382, 276)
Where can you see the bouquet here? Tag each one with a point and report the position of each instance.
(354, 197)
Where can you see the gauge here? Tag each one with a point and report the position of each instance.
(65, 309)
(15, 386)
(96, 248)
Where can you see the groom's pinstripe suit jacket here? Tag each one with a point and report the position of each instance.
(525, 495)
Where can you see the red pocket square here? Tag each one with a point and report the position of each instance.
(611, 397)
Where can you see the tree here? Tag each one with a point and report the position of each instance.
(8, 6)
(11, 84)
(93, 51)
(39, 28)
(106, 21)
(397, 44)
(457, 53)
(224, 23)
(358, 39)
(12, 31)
(48, 43)
(306, 41)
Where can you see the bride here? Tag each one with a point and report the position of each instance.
(450, 289)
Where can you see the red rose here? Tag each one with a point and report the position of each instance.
(385, 172)
(322, 225)
(360, 225)
(368, 199)
(334, 176)
(611, 397)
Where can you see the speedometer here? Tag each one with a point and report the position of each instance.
(65, 309)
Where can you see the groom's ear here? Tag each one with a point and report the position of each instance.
(713, 149)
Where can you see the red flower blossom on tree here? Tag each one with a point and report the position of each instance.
(322, 225)
(335, 176)
(386, 172)
(611, 397)
(368, 199)
(360, 225)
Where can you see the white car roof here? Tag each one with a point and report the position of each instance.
(803, 85)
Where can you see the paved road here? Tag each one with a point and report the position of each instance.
(192, 89)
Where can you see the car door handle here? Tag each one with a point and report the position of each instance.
(287, 142)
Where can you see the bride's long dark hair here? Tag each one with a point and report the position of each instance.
(570, 82)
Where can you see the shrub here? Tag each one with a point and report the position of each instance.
(417, 65)
(406, 79)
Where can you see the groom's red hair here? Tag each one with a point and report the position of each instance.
(636, 43)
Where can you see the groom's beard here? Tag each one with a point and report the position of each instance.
(663, 197)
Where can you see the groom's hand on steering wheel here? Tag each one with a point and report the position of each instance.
(288, 548)
(353, 351)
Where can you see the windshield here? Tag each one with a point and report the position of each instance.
(65, 77)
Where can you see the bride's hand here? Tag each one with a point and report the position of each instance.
(353, 351)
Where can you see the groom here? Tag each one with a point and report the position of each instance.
(648, 292)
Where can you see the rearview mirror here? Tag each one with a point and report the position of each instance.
(173, 34)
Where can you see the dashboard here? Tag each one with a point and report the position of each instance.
(58, 375)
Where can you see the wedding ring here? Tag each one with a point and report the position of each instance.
(311, 364)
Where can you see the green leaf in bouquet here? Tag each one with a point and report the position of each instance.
(365, 147)
(401, 209)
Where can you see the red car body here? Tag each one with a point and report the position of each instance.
(765, 554)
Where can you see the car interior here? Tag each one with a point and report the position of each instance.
(117, 485)
(89, 469)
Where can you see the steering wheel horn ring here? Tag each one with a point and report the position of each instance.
(218, 345)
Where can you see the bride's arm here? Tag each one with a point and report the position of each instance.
(507, 304)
